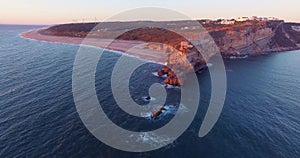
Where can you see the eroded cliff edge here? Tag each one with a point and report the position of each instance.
(234, 40)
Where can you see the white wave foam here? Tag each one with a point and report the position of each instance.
(169, 110)
(153, 139)
(209, 64)
(155, 74)
(234, 57)
(171, 86)
(146, 115)
(151, 99)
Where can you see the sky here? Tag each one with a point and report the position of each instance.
(66, 11)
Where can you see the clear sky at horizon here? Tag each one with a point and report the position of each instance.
(64, 11)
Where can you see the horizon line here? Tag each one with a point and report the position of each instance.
(49, 24)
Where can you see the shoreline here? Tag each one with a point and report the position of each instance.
(134, 49)
(131, 48)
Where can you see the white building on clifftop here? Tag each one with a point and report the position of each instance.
(242, 19)
(227, 22)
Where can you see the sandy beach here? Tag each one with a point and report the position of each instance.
(132, 48)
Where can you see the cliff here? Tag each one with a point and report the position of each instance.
(234, 40)
(257, 38)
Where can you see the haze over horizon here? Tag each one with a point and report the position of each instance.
(55, 11)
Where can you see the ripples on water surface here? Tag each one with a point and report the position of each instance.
(38, 117)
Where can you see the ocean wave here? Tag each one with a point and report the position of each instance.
(10, 90)
(153, 139)
(169, 110)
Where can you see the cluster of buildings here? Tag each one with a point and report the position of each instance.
(239, 19)
(242, 19)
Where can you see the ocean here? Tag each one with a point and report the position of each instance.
(38, 117)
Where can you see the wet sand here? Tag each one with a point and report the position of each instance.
(133, 48)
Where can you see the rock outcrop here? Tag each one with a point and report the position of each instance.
(171, 79)
(157, 113)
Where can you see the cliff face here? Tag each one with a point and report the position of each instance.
(238, 40)
(257, 38)
(286, 37)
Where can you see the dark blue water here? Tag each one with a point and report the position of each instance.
(38, 118)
